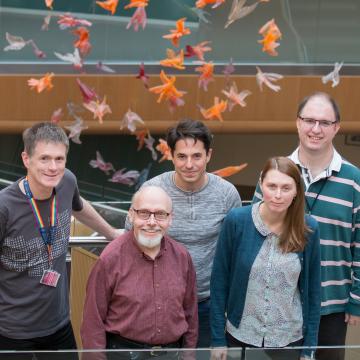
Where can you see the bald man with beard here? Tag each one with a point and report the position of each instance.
(141, 292)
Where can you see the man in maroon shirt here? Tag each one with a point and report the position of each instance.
(141, 292)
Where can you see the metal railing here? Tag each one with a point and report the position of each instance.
(88, 241)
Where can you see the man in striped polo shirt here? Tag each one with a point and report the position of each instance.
(333, 199)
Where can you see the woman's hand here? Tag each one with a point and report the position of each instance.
(219, 353)
(352, 319)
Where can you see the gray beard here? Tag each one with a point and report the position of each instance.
(149, 242)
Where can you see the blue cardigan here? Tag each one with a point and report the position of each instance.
(237, 248)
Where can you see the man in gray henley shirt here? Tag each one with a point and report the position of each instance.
(200, 202)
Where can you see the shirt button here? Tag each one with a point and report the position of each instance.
(158, 330)
(159, 307)
(155, 265)
(157, 285)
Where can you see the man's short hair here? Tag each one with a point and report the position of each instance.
(46, 132)
(324, 95)
(192, 129)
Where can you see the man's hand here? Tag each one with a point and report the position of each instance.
(218, 353)
(117, 233)
(352, 319)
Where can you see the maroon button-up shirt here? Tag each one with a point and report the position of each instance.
(145, 300)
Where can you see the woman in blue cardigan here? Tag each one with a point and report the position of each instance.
(265, 282)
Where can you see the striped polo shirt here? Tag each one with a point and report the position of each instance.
(333, 199)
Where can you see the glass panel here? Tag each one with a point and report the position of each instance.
(114, 213)
(313, 31)
(10, 172)
(352, 353)
(95, 192)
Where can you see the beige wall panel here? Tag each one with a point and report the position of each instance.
(82, 262)
(353, 338)
(266, 111)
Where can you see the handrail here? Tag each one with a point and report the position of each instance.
(88, 241)
(108, 207)
(5, 182)
(101, 240)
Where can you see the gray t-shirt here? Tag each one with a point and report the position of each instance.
(29, 309)
(197, 219)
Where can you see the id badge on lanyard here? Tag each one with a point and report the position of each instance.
(50, 277)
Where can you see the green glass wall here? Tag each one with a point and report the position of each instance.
(314, 31)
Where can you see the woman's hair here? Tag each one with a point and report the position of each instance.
(293, 235)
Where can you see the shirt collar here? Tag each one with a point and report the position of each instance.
(189, 192)
(335, 163)
(259, 224)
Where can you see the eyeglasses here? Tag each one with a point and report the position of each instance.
(309, 122)
(145, 214)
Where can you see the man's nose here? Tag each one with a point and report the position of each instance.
(151, 219)
(316, 127)
(189, 162)
(52, 164)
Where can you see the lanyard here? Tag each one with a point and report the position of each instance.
(314, 201)
(47, 235)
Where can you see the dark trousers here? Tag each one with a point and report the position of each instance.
(274, 354)
(116, 342)
(63, 339)
(204, 324)
(332, 332)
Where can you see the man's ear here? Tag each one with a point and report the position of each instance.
(208, 155)
(25, 158)
(298, 124)
(131, 216)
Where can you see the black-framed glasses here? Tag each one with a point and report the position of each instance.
(144, 214)
(310, 122)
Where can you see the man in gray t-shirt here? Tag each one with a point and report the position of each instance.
(200, 203)
(35, 216)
